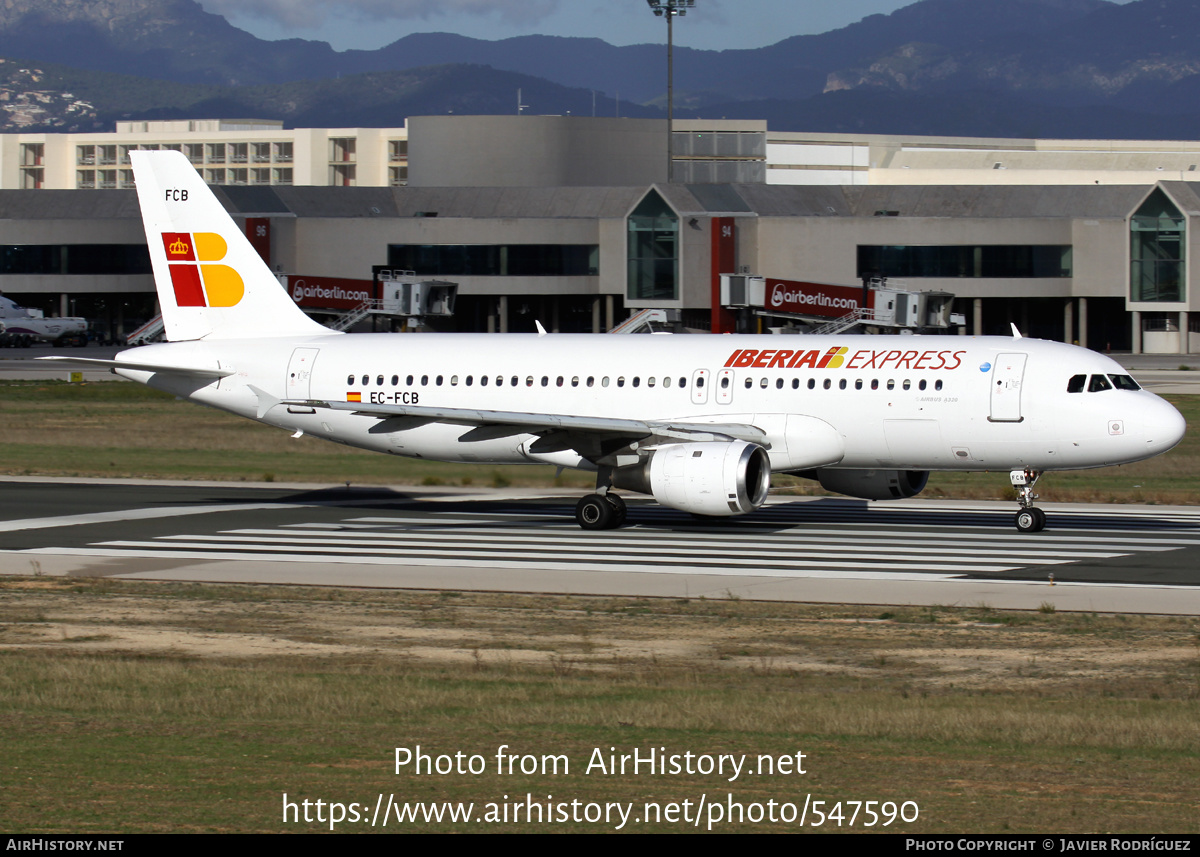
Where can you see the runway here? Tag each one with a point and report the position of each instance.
(1093, 558)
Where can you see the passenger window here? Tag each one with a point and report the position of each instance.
(842, 384)
(938, 385)
(621, 381)
(470, 380)
(395, 380)
(636, 380)
(483, 380)
(379, 381)
(650, 381)
(763, 383)
(409, 381)
(1076, 384)
(858, 383)
(874, 383)
(778, 383)
(795, 383)
(683, 382)
(828, 383)
(350, 381)
(424, 380)
(439, 380)
(749, 383)
(516, 380)
(453, 380)
(366, 379)
(604, 381)
(907, 383)
(545, 380)
(724, 383)
(591, 382)
(575, 381)
(812, 383)
(1098, 383)
(921, 386)
(700, 382)
(559, 381)
(528, 380)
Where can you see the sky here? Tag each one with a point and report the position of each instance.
(711, 24)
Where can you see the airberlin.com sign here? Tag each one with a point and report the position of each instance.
(328, 292)
(811, 298)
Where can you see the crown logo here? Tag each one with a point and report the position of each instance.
(178, 248)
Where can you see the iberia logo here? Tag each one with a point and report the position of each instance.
(784, 359)
(203, 284)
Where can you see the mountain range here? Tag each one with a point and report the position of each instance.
(1016, 68)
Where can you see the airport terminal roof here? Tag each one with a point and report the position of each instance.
(973, 201)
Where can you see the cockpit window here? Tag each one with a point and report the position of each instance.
(1077, 383)
(1124, 382)
(1098, 383)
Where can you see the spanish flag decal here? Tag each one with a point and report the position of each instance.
(201, 284)
(354, 397)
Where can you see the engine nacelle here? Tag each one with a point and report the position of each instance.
(874, 484)
(710, 478)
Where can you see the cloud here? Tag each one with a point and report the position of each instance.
(308, 14)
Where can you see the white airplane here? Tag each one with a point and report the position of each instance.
(698, 422)
(22, 327)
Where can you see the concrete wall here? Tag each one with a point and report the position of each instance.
(535, 151)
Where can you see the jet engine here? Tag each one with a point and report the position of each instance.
(874, 484)
(714, 478)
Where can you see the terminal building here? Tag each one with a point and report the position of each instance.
(575, 222)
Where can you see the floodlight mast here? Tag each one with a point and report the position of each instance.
(669, 9)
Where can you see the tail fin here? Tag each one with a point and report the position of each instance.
(211, 282)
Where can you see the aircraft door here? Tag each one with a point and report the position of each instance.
(299, 373)
(724, 386)
(699, 386)
(1006, 375)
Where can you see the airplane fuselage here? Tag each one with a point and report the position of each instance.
(904, 402)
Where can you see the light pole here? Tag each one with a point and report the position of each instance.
(669, 9)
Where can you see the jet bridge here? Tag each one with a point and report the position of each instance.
(826, 308)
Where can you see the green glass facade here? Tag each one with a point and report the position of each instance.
(1157, 238)
(653, 251)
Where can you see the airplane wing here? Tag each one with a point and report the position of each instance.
(520, 422)
(144, 367)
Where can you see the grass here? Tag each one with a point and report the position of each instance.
(116, 429)
(137, 706)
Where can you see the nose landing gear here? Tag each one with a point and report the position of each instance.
(1030, 519)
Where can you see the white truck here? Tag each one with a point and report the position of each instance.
(21, 327)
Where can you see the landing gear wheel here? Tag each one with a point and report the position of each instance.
(1031, 520)
(593, 512)
(620, 510)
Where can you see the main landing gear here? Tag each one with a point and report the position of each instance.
(602, 510)
(1030, 519)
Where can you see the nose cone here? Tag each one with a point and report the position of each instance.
(1164, 426)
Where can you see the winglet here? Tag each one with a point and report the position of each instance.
(541, 330)
(1016, 333)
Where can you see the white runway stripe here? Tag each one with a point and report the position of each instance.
(782, 541)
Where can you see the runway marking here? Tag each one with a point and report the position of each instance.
(131, 515)
(777, 542)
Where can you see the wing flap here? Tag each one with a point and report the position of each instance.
(533, 422)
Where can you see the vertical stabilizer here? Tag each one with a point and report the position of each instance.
(211, 282)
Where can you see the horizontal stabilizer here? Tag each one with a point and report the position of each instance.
(193, 371)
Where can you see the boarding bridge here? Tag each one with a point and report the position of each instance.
(826, 308)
